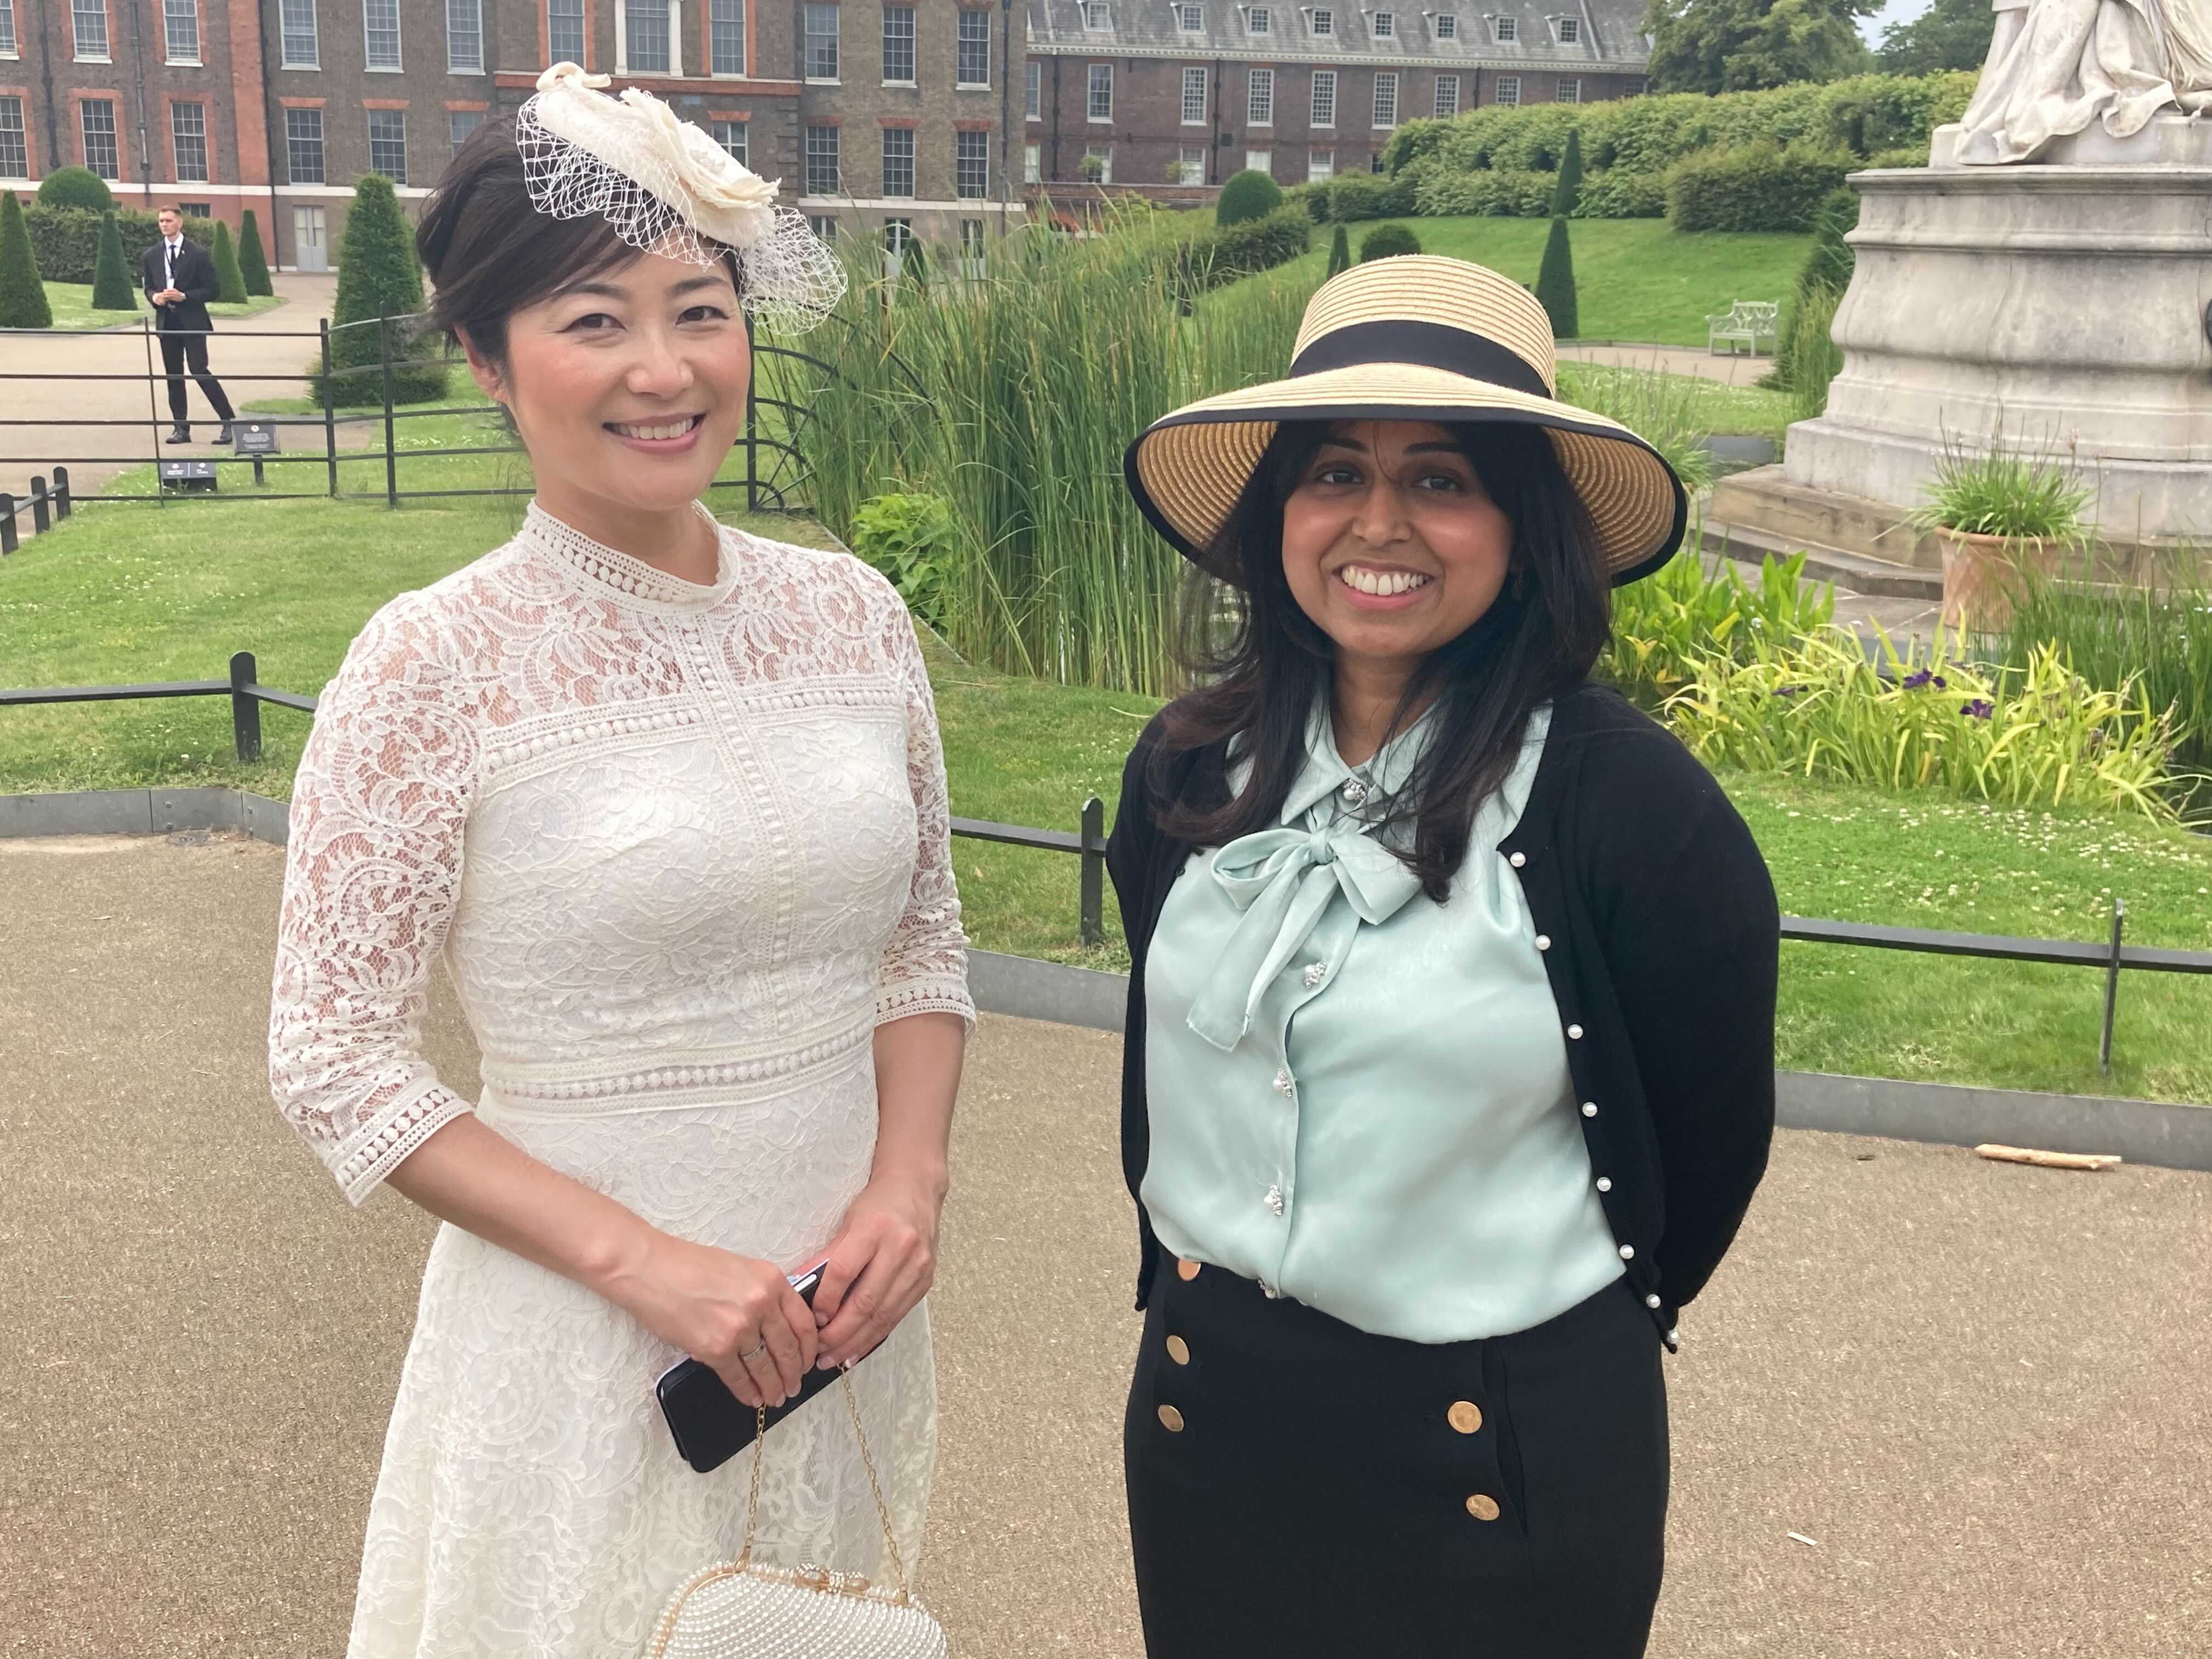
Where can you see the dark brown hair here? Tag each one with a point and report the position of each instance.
(1259, 682)
(491, 253)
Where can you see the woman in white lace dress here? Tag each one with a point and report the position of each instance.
(668, 801)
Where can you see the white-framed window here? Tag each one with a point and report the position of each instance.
(88, 32)
(180, 30)
(898, 237)
(1259, 98)
(821, 40)
(1386, 99)
(1319, 164)
(1324, 20)
(1323, 112)
(1504, 28)
(1446, 26)
(971, 162)
(1570, 30)
(387, 143)
(1571, 89)
(197, 209)
(1098, 15)
(303, 146)
(1509, 88)
(459, 123)
(973, 46)
(648, 37)
(14, 147)
(734, 137)
(1386, 26)
(898, 45)
(1100, 107)
(188, 141)
(8, 50)
(1447, 96)
(1193, 98)
(726, 37)
(825, 176)
(898, 161)
(1032, 164)
(1261, 20)
(1260, 160)
(1098, 163)
(379, 28)
(1190, 165)
(96, 121)
(824, 225)
(1190, 20)
(564, 30)
(464, 37)
(1032, 90)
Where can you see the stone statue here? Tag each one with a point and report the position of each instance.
(2055, 66)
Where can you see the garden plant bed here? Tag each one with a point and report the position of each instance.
(146, 594)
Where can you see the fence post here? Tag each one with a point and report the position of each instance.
(245, 707)
(329, 411)
(7, 524)
(153, 410)
(752, 418)
(61, 493)
(2112, 989)
(391, 455)
(39, 523)
(1094, 871)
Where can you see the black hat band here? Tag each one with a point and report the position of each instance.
(1428, 345)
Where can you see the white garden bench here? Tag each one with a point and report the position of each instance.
(1750, 321)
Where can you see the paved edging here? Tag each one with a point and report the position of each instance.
(2142, 1130)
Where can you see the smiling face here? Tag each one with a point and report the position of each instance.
(628, 388)
(1391, 544)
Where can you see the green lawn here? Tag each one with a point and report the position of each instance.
(1635, 279)
(147, 593)
(71, 303)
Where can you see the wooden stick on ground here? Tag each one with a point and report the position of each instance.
(2048, 1160)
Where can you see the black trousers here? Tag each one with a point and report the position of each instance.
(1298, 1487)
(180, 347)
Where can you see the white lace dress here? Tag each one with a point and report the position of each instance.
(683, 848)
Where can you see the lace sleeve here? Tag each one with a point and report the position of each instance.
(924, 967)
(371, 875)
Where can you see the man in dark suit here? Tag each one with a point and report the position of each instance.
(180, 281)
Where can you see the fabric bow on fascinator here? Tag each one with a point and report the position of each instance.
(666, 187)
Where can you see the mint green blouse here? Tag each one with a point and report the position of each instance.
(1360, 1098)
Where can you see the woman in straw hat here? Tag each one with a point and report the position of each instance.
(1449, 1070)
(666, 801)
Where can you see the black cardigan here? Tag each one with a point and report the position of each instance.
(1665, 939)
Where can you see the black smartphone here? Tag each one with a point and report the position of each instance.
(710, 1424)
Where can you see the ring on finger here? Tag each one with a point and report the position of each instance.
(756, 1350)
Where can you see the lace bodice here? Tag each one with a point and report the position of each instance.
(675, 843)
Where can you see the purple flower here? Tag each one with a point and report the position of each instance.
(1980, 709)
(1925, 677)
(1789, 691)
(1941, 684)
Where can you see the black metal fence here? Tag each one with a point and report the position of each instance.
(778, 407)
(1088, 842)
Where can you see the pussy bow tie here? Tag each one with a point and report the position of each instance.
(1283, 881)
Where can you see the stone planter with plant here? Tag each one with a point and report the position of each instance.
(1999, 514)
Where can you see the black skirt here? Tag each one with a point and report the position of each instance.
(1300, 1487)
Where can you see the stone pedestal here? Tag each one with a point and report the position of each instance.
(2062, 306)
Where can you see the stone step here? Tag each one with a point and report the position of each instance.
(1854, 573)
(1764, 500)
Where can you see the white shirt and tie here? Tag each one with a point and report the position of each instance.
(169, 247)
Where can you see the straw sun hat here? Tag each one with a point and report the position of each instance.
(1414, 337)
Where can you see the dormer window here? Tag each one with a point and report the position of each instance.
(1324, 20)
(1504, 29)
(1259, 20)
(1570, 30)
(1386, 25)
(1096, 15)
(1447, 26)
(1190, 20)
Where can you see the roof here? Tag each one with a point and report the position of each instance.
(1609, 34)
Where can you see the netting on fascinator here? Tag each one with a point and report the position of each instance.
(665, 187)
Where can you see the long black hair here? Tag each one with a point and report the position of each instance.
(1257, 680)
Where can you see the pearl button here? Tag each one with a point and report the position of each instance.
(1283, 1083)
(1673, 1335)
(1516, 859)
(1574, 1033)
(1605, 1184)
(1651, 1302)
(1354, 792)
(1543, 941)
(1628, 1253)
(1589, 1110)
(1316, 972)
(1273, 1201)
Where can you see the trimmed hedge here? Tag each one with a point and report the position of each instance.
(111, 288)
(76, 187)
(1515, 194)
(1357, 195)
(251, 264)
(1387, 242)
(1215, 258)
(1617, 193)
(1250, 195)
(67, 239)
(229, 281)
(1757, 188)
(1340, 252)
(23, 296)
(379, 277)
(1555, 283)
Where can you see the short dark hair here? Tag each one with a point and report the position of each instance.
(489, 252)
(1259, 685)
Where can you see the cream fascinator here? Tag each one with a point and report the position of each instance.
(665, 187)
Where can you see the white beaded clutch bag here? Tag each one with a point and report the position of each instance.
(743, 1609)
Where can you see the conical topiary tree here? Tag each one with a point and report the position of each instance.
(111, 276)
(251, 264)
(22, 295)
(1569, 190)
(378, 277)
(1555, 282)
(229, 281)
(1340, 252)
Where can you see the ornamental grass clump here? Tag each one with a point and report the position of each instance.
(2039, 735)
(2018, 493)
